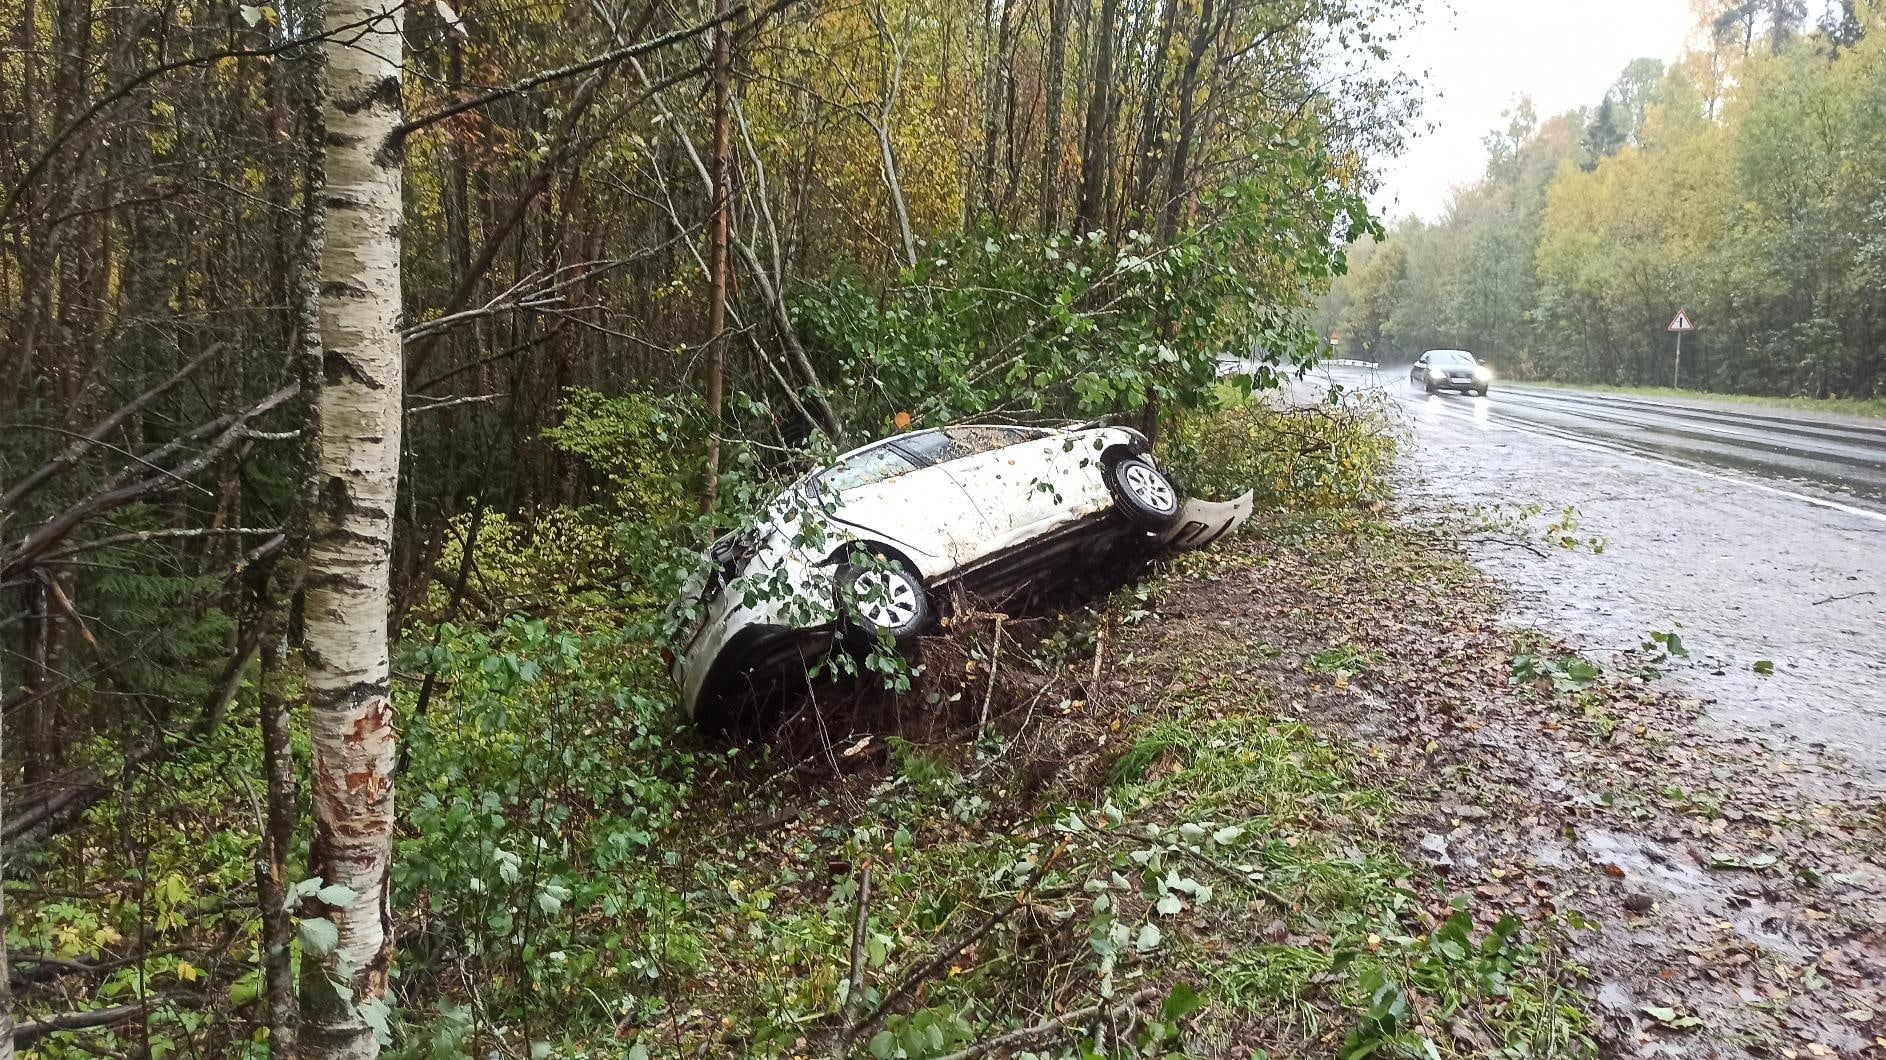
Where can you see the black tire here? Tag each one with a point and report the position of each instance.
(1430, 388)
(1143, 494)
(885, 597)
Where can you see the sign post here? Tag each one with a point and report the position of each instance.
(1681, 326)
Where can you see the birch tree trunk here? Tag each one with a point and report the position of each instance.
(355, 478)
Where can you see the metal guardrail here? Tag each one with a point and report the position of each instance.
(1346, 363)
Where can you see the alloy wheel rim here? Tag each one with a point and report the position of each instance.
(1151, 487)
(884, 600)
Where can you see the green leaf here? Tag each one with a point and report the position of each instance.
(376, 1014)
(1764, 666)
(1170, 905)
(884, 1044)
(1149, 938)
(319, 936)
(1182, 1002)
(337, 894)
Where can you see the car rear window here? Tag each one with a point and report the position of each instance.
(954, 443)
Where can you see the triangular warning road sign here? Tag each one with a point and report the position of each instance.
(1681, 323)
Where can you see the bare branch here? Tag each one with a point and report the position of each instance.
(70, 455)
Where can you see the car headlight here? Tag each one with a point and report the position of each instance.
(1436, 373)
(1482, 374)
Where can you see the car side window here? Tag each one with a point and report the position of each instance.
(863, 469)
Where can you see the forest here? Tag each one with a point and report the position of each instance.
(372, 373)
(1744, 184)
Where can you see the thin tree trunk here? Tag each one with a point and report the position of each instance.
(1148, 154)
(1176, 192)
(770, 292)
(6, 988)
(1092, 210)
(995, 94)
(1051, 135)
(717, 260)
(283, 814)
(354, 487)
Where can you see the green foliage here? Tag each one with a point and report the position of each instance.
(1074, 326)
(1565, 673)
(1338, 454)
(631, 441)
(542, 787)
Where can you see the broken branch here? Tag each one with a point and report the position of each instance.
(1047, 1029)
(854, 993)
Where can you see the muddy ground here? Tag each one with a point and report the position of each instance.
(1731, 913)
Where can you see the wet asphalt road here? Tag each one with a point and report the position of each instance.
(1758, 534)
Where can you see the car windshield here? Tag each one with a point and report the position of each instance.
(1451, 358)
(862, 469)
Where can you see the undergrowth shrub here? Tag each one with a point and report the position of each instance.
(541, 793)
(1338, 454)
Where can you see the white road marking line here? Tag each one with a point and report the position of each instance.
(1581, 443)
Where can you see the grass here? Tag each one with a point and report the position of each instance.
(1871, 408)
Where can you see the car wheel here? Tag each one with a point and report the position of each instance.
(1143, 494)
(883, 598)
(1430, 388)
(1482, 391)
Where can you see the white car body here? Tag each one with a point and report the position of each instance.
(948, 503)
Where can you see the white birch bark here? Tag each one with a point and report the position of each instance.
(350, 716)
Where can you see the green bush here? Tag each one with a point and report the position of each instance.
(1333, 455)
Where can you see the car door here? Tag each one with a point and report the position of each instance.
(885, 492)
(1419, 373)
(1022, 479)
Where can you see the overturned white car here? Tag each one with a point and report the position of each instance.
(870, 548)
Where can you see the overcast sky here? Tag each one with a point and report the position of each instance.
(1476, 60)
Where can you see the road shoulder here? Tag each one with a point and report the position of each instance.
(1729, 910)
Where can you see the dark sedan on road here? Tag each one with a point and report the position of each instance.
(1450, 370)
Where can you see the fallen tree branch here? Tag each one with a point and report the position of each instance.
(30, 1031)
(125, 487)
(995, 659)
(943, 956)
(1041, 1031)
(71, 453)
(138, 536)
(1487, 539)
(854, 992)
